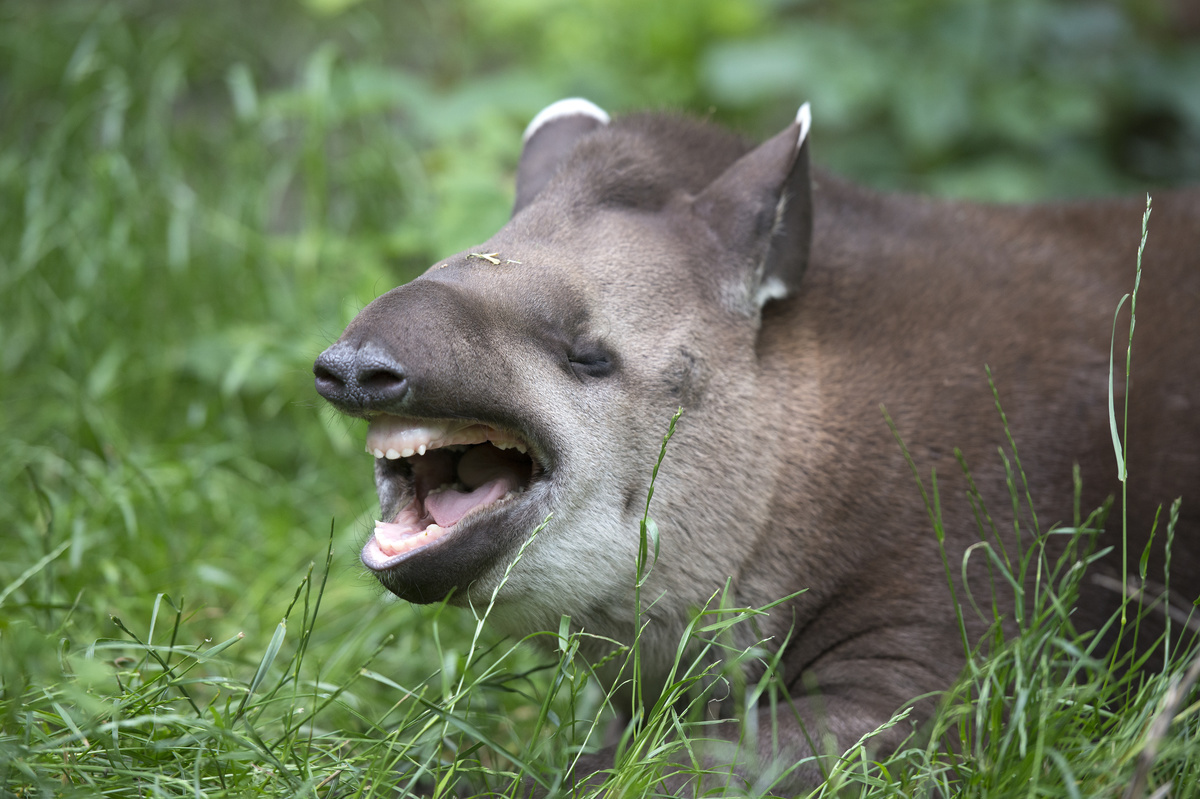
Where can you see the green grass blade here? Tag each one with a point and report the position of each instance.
(1112, 410)
(41, 563)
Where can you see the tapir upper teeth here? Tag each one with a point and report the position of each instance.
(394, 437)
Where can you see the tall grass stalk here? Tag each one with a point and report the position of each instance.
(1117, 439)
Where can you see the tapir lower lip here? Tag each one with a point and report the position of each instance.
(375, 558)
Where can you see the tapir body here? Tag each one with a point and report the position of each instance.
(655, 263)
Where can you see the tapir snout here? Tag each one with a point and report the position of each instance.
(408, 352)
(654, 263)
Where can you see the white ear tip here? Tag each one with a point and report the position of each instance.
(772, 288)
(804, 120)
(565, 108)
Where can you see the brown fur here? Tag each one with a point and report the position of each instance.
(649, 244)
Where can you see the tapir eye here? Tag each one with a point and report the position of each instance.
(591, 360)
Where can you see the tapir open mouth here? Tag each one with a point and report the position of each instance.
(435, 475)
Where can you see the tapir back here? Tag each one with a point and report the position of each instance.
(905, 304)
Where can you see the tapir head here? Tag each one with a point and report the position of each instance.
(533, 377)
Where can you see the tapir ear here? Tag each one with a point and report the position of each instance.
(762, 206)
(549, 139)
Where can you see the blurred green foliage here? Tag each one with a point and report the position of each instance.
(196, 197)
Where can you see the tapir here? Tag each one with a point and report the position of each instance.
(654, 263)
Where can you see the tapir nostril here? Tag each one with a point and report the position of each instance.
(326, 378)
(382, 384)
(332, 375)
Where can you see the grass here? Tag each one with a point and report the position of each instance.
(193, 201)
(1044, 712)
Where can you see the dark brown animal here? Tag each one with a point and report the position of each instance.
(656, 262)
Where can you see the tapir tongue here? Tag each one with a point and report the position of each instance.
(487, 474)
(448, 506)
